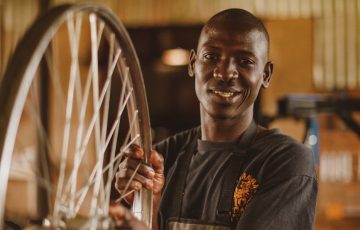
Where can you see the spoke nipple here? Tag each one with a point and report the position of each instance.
(92, 18)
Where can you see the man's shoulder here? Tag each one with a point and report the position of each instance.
(179, 139)
(275, 140)
(283, 153)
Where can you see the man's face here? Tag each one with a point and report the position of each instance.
(230, 67)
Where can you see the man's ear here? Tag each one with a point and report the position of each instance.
(191, 66)
(268, 70)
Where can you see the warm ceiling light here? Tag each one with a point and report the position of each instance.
(175, 57)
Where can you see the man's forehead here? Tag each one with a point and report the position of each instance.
(231, 36)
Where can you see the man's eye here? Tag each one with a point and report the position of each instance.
(210, 56)
(247, 62)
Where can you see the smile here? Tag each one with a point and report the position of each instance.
(224, 94)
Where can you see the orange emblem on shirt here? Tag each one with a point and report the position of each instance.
(244, 192)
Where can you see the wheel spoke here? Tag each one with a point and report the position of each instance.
(122, 105)
(74, 38)
(94, 69)
(75, 33)
(72, 182)
(66, 136)
(123, 196)
(83, 124)
(128, 184)
(107, 97)
(83, 191)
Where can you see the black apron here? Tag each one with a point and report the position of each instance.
(173, 192)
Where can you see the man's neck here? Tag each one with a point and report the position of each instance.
(229, 130)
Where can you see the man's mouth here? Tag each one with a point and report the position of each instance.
(224, 93)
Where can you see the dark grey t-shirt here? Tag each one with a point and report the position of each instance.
(206, 164)
(275, 188)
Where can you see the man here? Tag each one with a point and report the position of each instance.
(229, 173)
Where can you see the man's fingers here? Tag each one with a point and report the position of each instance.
(123, 181)
(134, 151)
(157, 161)
(146, 176)
(128, 195)
(121, 214)
(130, 173)
(131, 163)
(124, 218)
(117, 211)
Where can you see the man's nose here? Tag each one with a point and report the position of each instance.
(226, 70)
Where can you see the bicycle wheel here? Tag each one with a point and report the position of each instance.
(72, 97)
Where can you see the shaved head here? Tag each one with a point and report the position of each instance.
(235, 18)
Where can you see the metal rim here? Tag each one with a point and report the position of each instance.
(17, 80)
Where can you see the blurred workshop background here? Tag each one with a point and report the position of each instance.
(314, 93)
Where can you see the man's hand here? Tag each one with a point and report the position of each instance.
(124, 219)
(146, 176)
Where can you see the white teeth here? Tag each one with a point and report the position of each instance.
(223, 94)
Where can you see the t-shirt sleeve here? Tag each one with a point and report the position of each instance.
(286, 198)
(172, 146)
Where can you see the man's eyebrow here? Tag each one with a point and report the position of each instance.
(211, 46)
(245, 52)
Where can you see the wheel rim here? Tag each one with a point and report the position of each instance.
(83, 112)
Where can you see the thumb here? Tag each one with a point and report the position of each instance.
(157, 162)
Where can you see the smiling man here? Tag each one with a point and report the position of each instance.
(228, 173)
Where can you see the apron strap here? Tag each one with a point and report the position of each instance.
(173, 191)
(233, 171)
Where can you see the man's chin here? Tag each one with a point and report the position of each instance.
(221, 116)
(221, 112)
